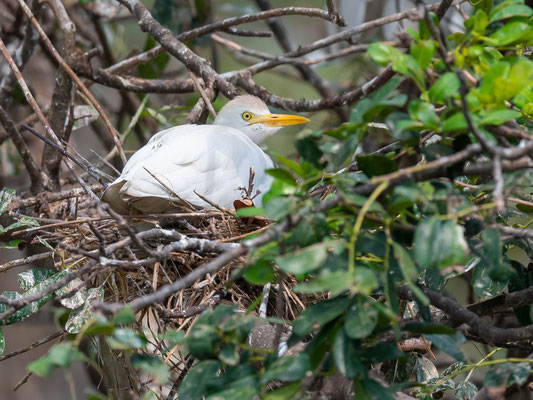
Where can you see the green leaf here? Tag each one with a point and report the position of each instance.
(507, 374)
(195, 383)
(380, 53)
(286, 392)
(456, 122)
(249, 212)
(82, 315)
(292, 165)
(424, 112)
(490, 277)
(32, 277)
(126, 339)
(439, 243)
(346, 354)
(124, 316)
(448, 343)
(34, 306)
(508, 9)
(446, 86)
(423, 52)
(12, 244)
(409, 271)
(512, 33)
(2, 342)
(151, 364)
(287, 369)
(319, 314)
(465, 390)
(282, 175)
(279, 207)
(241, 392)
(375, 164)
(307, 259)
(406, 263)
(361, 319)
(362, 281)
(369, 389)
(21, 222)
(63, 354)
(425, 370)
(260, 273)
(60, 355)
(427, 327)
(6, 196)
(42, 367)
(309, 149)
(498, 117)
(229, 355)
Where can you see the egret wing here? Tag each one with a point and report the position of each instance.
(211, 160)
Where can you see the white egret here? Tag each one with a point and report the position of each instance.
(211, 160)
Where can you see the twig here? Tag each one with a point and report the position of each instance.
(218, 26)
(23, 261)
(336, 18)
(38, 179)
(33, 345)
(37, 110)
(73, 76)
(200, 89)
(87, 169)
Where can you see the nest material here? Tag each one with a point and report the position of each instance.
(79, 226)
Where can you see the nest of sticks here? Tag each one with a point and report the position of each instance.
(135, 255)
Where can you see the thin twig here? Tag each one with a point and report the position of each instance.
(73, 76)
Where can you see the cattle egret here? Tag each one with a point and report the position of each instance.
(213, 161)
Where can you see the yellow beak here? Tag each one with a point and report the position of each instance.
(278, 120)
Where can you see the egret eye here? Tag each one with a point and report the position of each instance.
(246, 116)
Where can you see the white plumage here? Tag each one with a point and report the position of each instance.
(211, 160)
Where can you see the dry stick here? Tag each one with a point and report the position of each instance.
(308, 74)
(33, 345)
(37, 110)
(74, 77)
(247, 33)
(198, 113)
(37, 178)
(200, 89)
(51, 197)
(218, 26)
(82, 165)
(23, 261)
(22, 54)
(180, 51)
(462, 315)
(22, 381)
(336, 18)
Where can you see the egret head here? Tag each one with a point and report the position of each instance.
(250, 115)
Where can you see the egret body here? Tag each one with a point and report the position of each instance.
(214, 161)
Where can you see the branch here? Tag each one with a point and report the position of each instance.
(33, 345)
(31, 100)
(164, 36)
(63, 94)
(218, 26)
(74, 77)
(494, 335)
(37, 178)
